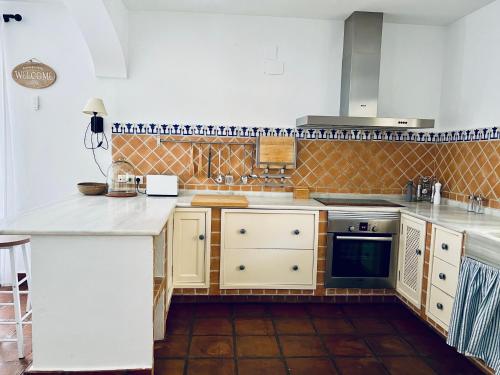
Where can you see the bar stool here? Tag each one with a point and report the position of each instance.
(11, 244)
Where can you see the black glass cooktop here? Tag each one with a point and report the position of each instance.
(357, 202)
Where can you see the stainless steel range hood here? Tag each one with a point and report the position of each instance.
(360, 80)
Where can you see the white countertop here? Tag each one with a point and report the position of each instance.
(450, 216)
(95, 215)
(100, 215)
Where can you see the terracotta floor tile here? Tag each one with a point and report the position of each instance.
(253, 326)
(261, 367)
(325, 310)
(169, 366)
(389, 345)
(401, 366)
(181, 310)
(372, 325)
(250, 309)
(333, 326)
(430, 344)
(210, 310)
(212, 326)
(173, 346)
(409, 326)
(294, 326)
(347, 345)
(360, 366)
(288, 310)
(310, 366)
(392, 311)
(453, 365)
(360, 311)
(215, 366)
(211, 346)
(302, 346)
(178, 326)
(257, 346)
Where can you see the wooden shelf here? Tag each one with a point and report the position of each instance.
(159, 286)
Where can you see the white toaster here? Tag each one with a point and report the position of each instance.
(162, 185)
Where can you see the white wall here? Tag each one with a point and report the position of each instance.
(49, 153)
(410, 71)
(191, 68)
(471, 79)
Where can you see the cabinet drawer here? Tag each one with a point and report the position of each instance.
(270, 268)
(441, 305)
(268, 230)
(444, 276)
(448, 246)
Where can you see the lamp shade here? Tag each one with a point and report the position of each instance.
(95, 105)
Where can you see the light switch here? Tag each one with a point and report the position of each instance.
(36, 103)
(274, 67)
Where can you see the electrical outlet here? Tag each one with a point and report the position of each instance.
(141, 179)
(126, 178)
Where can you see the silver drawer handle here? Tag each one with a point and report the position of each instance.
(439, 306)
(353, 238)
(444, 246)
(442, 276)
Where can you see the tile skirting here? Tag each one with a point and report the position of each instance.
(469, 135)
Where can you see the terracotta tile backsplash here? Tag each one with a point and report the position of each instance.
(335, 166)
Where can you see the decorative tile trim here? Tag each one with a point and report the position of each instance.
(470, 135)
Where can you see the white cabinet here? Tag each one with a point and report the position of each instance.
(268, 249)
(411, 259)
(191, 248)
(444, 265)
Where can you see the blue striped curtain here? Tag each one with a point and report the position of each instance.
(475, 321)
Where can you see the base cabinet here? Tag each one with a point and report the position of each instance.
(191, 248)
(411, 259)
(268, 249)
(444, 265)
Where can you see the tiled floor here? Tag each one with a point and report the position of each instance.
(312, 339)
(295, 339)
(9, 363)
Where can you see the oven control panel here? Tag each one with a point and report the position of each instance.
(362, 227)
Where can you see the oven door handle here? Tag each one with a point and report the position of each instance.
(353, 238)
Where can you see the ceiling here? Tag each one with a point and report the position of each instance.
(426, 12)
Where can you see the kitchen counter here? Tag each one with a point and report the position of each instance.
(95, 215)
(94, 260)
(447, 215)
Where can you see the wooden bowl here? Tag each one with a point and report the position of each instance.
(92, 188)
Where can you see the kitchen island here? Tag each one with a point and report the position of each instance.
(95, 261)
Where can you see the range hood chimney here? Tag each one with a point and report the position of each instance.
(360, 81)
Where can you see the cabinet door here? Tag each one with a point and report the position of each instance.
(411, 259)
(189, 248)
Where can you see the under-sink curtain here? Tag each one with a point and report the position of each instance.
(475, 322)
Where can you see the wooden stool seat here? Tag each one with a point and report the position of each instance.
(12, 240)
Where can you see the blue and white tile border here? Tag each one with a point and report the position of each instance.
(470, 135)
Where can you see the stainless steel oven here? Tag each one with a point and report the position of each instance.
(362, 249)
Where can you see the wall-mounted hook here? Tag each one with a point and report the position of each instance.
(8, 17)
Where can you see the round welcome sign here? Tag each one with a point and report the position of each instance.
(34, 75)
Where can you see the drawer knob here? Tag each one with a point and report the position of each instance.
(241, 267)
(295, 268)
(444, 246)
(296, 231)
(442, 276)
(419, 252)
(439, 306)
(201, 237)
(243, 231)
